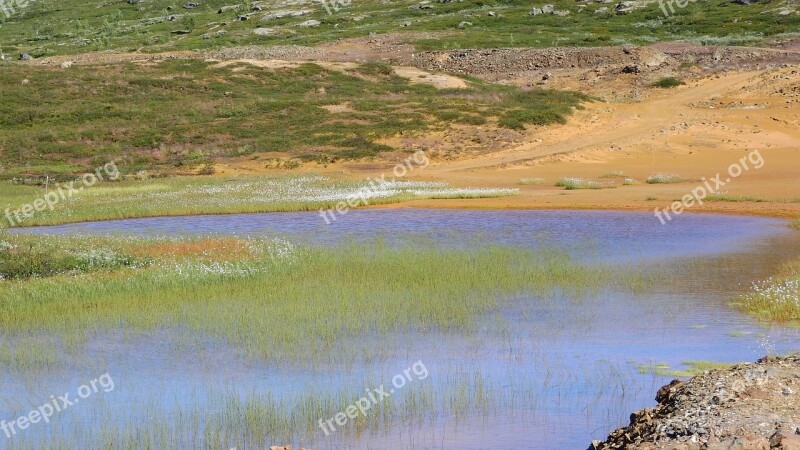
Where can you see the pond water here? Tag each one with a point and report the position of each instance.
(562, 373)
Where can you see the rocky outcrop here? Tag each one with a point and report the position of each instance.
(748, 406)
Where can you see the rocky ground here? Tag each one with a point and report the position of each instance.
(748, 406)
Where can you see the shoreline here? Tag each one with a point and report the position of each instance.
(409, 205)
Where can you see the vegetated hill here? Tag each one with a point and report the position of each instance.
(48, 27)
(178, 115)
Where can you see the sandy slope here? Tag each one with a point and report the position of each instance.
(693, 131)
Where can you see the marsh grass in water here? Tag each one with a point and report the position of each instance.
(776, 298)
(277, 302)
(691, 369)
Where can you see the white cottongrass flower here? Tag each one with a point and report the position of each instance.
(778, 292)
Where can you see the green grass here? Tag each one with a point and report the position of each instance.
(571, 183)
(665, 178)
(48, 27)
(178, 116)
(733, 198)
(245, 292)
(668, 82)
(691, 369)
(775, 299)
(217, 195)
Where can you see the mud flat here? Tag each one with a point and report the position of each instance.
(746, 406)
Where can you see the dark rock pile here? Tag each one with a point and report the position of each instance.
(747, 406)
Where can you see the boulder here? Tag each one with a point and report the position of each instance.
(25, 57)
(625, 7)
(228, 8)
(309, 24)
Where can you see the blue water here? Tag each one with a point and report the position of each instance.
(564, 372)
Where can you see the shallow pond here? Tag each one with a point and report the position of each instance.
(557, 375)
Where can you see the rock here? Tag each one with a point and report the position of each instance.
(601, 10)
(548, 9)
(241, 18)
(312, 23)
(228, 8)
(561, 13)
(190, 5)
(406, 24)
(625, 7)
(784, 440)
(286, 13)
(785, 12)
(172, 18)
(256, 8)
(536, 11)
(464, 24)
(25, 57)
(66, 64)
(264, 31)
(491, 14)
(630, 69)
(663, 394)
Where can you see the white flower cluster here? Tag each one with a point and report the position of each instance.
(780, 292)
(273, 251)
(6, 246)
(232, 268)
(97, 257)
(310, 189)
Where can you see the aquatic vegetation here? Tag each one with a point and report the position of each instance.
(580, 183)
(247, 302)
(777, 298)
(691, 369)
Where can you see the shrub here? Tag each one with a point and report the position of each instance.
(668, 82)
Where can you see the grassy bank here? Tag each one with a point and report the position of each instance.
(220, 195)
(179, 116)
